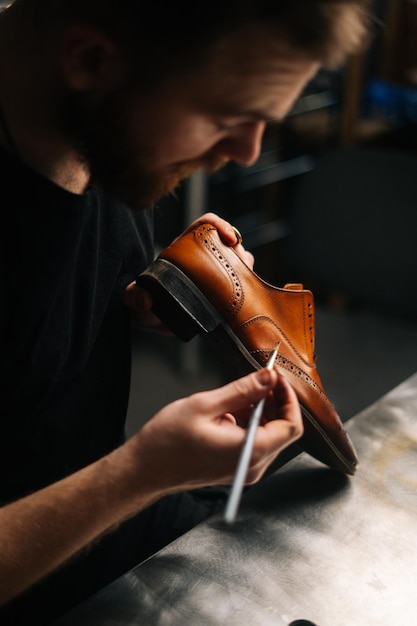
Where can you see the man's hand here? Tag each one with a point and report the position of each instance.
(196, 441)
(227, 235)
(139, 300)
(192, 442)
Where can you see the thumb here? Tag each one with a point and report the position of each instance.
(137, 298)
(241, 393)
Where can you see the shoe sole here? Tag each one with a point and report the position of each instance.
(185, 310)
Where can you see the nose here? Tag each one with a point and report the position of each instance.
(242, 143)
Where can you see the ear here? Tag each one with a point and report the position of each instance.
(90, 60)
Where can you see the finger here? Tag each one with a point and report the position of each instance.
(286, 397)
(225, 229)
(239, 394)
(228, 417)
(277, 434)
(139, 301)
(283, 395)
(288, 417)
(228, 235)
(282, 430)
(268, 446)
(231, 236)
(270, 442)
(137, 298)
(246, 256)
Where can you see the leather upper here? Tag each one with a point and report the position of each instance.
(261, 315)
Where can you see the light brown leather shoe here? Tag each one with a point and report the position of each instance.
(200, 285)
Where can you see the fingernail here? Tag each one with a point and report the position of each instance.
(264, 377)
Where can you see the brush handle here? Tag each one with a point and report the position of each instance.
(246, 453)
(244, 459)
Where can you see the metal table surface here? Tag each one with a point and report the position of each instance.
(310, 546)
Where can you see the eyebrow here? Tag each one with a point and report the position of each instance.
(261, 117)
(253, 114)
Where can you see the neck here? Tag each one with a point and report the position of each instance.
(29, 107)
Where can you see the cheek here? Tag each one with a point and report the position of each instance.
(190, 148)
(174, 141)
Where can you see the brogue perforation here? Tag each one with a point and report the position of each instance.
(200, 285)
(281, 334)
(236, 300)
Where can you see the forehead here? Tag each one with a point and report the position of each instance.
(250, 69)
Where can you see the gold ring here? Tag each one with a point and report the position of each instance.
(238, 236)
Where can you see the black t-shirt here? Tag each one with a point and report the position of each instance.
(65, 334)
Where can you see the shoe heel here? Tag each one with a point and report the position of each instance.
(177, 302)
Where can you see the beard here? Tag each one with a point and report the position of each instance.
(120, 166)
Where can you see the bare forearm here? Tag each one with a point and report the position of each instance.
(190, 443)
(43, 530)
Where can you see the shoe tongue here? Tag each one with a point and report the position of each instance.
(294, 286)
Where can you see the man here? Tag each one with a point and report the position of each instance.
(106, 106)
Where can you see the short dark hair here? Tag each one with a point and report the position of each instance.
(181, 32)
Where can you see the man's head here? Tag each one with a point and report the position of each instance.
(152, 91)
(181, 34)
